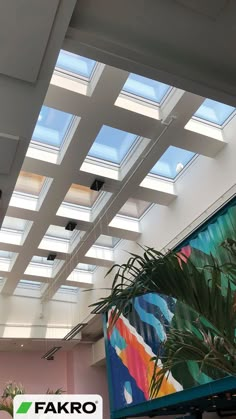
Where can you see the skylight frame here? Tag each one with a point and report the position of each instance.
(108, 247)
(48, 270)
(50, 153)
(87, 278)
(68, 289)
(214, 124)
(29, 201)
(29, 284)
(117, 168)
(78, 210)
(72, 75)
(62, 245)
(76, 77)
(145, 101)
(42, 146)
(18, 237)
(110, 163)
(8, 261)
(128, 217)
(178, 176)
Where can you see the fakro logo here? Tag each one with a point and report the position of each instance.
(65, 407)
(58, 407)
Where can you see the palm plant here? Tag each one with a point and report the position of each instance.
(207, 334)
(13, 389)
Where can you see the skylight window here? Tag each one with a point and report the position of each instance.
(145, 88)
(81, 195)
(40, 266)
(86, 267)
(214, 112)
(29, 191)
(107, 241)
(75, 64)
(112, 144)
(134, 208)
(6, 260)
(83, 276)
(172, 162)
(14, 230)
(68, 288)
(59, 232)
(78, 202)
(29, 183)
(34, 284)
(52, 127)
(58, 239)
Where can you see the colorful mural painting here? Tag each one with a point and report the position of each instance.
(139, 332)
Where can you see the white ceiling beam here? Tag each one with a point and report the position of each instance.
(76, 152)
(133, 178)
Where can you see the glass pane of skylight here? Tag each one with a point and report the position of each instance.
(112, 144)
(52, 127)
(40, 266)
(75, 64)
(134, 208)
(145, 88)
(13, 230)
(107, 241)
(59, 232)
(42, 260)
(81, 195)
(29, 183)
(68, 288)
(6, 255)
(6, 259)
(86, 267)
(12, 223)
(214, 112)
(30, 283)
(172, 162)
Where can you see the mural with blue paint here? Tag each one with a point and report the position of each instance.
(138, 333)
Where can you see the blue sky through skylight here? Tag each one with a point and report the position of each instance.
(214, 112)
(51, 126)
(75, 64)
(172, 162)
(112, 144)
(145, 88)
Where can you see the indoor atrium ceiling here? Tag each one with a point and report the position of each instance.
(136, 135)
(158, 151)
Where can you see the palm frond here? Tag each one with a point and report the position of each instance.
(203, 327)
(199, 288)
(209, 351)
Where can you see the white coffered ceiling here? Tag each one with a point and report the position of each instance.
(139, 137)
(53, 187)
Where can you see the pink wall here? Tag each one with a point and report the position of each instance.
(89, 379)
(36, 374)
(69, 370)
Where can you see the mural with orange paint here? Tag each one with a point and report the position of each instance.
(138, 334)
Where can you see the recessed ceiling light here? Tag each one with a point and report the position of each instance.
(21, 345)
(97, 185)
(51, 256)
(70, 225)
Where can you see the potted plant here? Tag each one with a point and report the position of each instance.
(13, 389)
